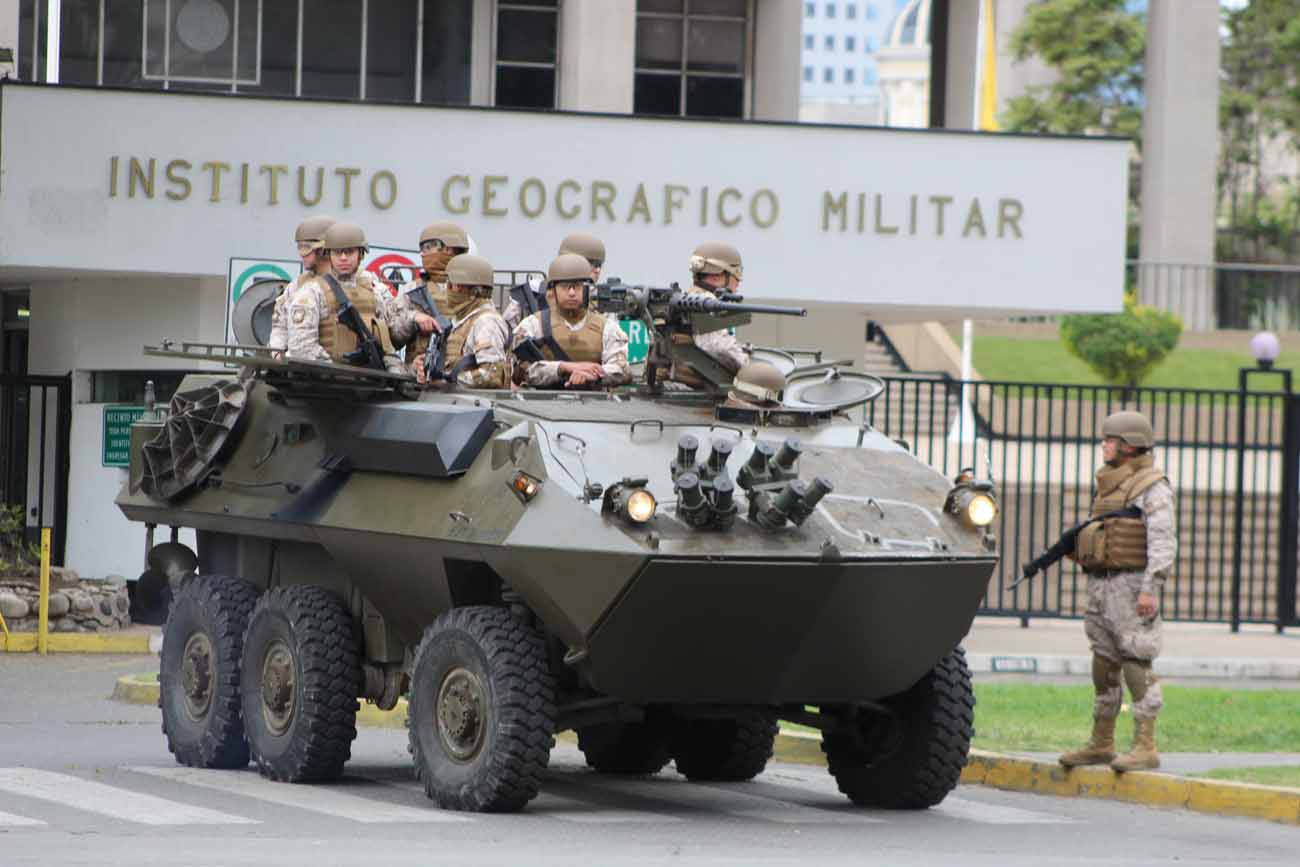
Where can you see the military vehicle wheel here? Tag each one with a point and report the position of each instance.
(199, 672)
(302, 675)
(925, 752)
(482, 710)
(625, 748)
(726, 750)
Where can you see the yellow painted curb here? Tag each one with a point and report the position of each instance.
(77, 642)
(137, 688)
(1217, 797)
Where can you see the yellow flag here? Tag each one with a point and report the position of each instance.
(989, 81)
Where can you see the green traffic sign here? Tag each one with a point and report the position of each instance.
(638, 340)
(117, 434)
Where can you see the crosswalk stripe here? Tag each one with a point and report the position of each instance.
(555, 806)
(332, 800)
(9, 820)
(730, 801)
(88, 795)
(996, 814)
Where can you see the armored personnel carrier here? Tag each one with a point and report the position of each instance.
(667, 573)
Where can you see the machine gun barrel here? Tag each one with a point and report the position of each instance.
(696, 302)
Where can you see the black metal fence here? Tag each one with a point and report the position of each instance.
(35, 428)
(1206, 297)
(1231, 457)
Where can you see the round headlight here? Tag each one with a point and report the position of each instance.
(640, 505)
(981, 510)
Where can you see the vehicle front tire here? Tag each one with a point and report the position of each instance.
(725, 750)
(302, 675)
(926, 750)
(199, 672)
(481, 711)
(625, 748)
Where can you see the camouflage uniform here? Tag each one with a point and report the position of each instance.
(279, 339)
(613, 356)
(307, 307)
(482, 332)
(402, 311)
(722, 346)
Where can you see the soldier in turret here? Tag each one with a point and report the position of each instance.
(310, 238)
(578, 347)
(413, 314)
(314, 330)
(525, 301)
(475, 349)
(716, 269)
(1127, 561)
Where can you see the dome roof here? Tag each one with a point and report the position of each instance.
(911, 28)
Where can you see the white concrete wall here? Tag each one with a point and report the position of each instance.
(101, 324)
(597, 55)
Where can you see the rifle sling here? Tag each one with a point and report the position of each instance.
(352, 323)
(548, 337)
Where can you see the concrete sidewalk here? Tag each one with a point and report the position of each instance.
(1191, 650)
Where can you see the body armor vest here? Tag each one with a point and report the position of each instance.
(585, 344)
(337, 339)
(460, 333)
(1118, 543)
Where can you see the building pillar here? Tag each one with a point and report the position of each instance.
(1179, 144)
(597, 55)
(954, 60)
(778, 28)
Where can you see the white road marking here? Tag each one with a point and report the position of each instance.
(996, 814)
(82, 794)
(553, 806)
(9, 820)
(332, 800)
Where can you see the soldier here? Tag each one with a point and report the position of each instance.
(525, 302)
(716, 268)
(1127, 561)
(413, 314)
(314, 331)
(590, 349)
(309, 236)
(475, 353)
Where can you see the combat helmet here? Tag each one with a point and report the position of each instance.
(344, 236)
(568, 266)
(470, 270)
(587, 246)
(312, 231)
(758, 382)
(1131, 427)
(716, 257)
(450, 234)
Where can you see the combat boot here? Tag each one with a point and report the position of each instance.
(1143, 756)
(1100, 748)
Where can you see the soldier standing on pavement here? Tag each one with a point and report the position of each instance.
(310, 238)
(475, 354)
(524, 301)
(1127, 561)
(314, 331)
(580, 348)
(413, 313)
(716, 269)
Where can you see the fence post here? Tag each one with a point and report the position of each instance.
(1239, 498)
(43, 612)
(1289, 536)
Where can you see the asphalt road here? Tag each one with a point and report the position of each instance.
(86, 780)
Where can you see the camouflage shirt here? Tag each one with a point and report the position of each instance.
(402, 311)
(613, 354)
(279, 339)
(486, 339)
(1157, 505)
(308, 305)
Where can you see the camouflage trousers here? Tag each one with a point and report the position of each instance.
(1123, 644)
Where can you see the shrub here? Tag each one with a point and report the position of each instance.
(1122, 348)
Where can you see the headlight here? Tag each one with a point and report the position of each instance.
(981, 510)
(640, 506)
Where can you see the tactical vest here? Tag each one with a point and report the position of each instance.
(1118, 543)
(460, 333)
(337, 339)
(420, 342)
(585, 344)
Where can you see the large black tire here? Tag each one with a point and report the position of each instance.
(302, 677)
(482, 711)
(625, 748)
(199, 671)
(724, 750)
(923, 757)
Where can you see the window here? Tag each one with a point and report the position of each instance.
(869, 45)
(869, 75)
(851, 11)
(830, 10)
(807, 73)
(809, 10)
(692, 57)
(828, 75)
(871, 12)
(850, 43)
(809, 42)
(830, 43)
(527, 52)
(848, 75)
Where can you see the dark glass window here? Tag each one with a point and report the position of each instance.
(331, 51)
(390, 49)
(79, 42)
(127, 386)
(123, 20)
(525, 87)
(279, 50)
(692, 57)
(32, 15)
(445, 64)
(527, 39)
(714, 97)
(657, 94)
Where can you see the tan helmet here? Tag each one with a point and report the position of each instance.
(344, 236)
(760, 381)
(585, 245)
(716, 257)
(1131, 427)
(448, 233)
(467, 270)
(312, 231)
(568, 266)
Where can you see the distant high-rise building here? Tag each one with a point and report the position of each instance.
(841, 40)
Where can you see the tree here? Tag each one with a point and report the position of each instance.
(1122, 348)
(1097, 49)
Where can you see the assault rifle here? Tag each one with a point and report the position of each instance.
(436, 353)
(671, 311)
(1065, 545)
(368, 352)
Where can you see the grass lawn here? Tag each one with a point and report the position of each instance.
(1282, 775)
(1048, 718)
(1015, 360)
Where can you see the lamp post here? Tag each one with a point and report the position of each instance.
(1265, 347)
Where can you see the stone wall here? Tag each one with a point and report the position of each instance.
(75, 605)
